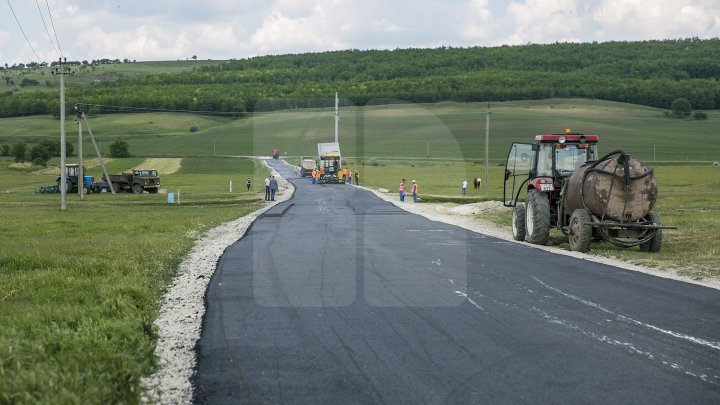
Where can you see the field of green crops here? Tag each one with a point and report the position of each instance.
(79, 289)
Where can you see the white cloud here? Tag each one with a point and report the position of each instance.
(222, 29)
(659, 19)
(543, 21)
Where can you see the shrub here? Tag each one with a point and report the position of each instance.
(699, 115)
(119, 149)
(39, 155)
(681, 107)
(194, 128)
(19, 151)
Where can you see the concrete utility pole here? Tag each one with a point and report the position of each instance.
(63, 151)
(337, 121)
(487, 145)
(81, 170)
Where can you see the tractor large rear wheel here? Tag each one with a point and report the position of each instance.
(653, 245)
(518, 222)
(537, 217)
(580, 233)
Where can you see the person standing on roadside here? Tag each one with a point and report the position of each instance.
(273, 188)
(267, 188)
(357, 178)
(463, 188)
(248, 183)
(401, 190)
(314, 175)
(414, 191)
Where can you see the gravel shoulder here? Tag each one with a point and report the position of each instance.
(180, 321)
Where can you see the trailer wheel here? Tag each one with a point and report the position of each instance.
(137, 189)
(518, 222)
(653, 245)
(580, 234)
(537, 215)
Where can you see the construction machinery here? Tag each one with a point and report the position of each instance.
(329, 162)
(307, 164)
(587, 198)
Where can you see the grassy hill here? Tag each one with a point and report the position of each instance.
(438, 131)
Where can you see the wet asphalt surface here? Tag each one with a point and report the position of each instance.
(336, 296)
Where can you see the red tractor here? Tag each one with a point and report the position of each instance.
(587, 198)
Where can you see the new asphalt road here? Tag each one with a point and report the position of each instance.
(336, 296)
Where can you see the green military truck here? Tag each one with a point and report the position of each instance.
(136, 182)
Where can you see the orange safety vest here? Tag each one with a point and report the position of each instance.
(314, 173)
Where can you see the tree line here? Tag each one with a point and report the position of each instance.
(652, 73)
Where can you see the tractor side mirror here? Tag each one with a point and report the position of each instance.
(507, 174)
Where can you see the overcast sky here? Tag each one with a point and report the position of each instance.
(224, 29)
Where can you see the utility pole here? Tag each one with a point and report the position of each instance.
(60, 70)
(337, 121)
(81, 170)
(487, 147)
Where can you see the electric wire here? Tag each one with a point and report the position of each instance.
(23, 31)
(52, 23)
(47, 31)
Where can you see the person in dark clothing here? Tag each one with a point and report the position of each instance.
(248, 183)
(273, 188)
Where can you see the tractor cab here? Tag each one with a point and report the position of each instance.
(543, 164)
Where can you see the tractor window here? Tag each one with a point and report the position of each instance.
(544, 163)
(569, 157)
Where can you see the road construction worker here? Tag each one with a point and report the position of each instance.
(414, 191)
(322, 172)
(401, 190)
(314, 175)
(344, 174)
(357, 178)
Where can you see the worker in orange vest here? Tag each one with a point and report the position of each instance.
(344, 174)
(314, 175)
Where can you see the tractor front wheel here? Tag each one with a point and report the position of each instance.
(580, 233)
(518, 222)
(537, 217)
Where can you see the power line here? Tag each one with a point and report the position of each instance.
(23, 31)
(53, 26)
(46, 29)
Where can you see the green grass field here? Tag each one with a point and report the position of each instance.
(79, 289)
(443, 131)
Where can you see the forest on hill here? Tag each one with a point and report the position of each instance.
(651, 73)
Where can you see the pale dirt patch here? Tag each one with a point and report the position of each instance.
(23, 165)
(162, 165)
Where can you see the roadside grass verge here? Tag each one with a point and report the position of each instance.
(80, 289)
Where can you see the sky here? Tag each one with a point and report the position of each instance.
(226, 29)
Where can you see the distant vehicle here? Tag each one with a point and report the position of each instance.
(71, 180)
(307, 164)
(276, 153)
(330, 160)
(136, 182)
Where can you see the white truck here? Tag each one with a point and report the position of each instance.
(329, 162)
(307, 164)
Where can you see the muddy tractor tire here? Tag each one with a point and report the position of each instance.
(654, 244)
(537, 218)
(518, 222)
(137, 189)
(580, 234)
